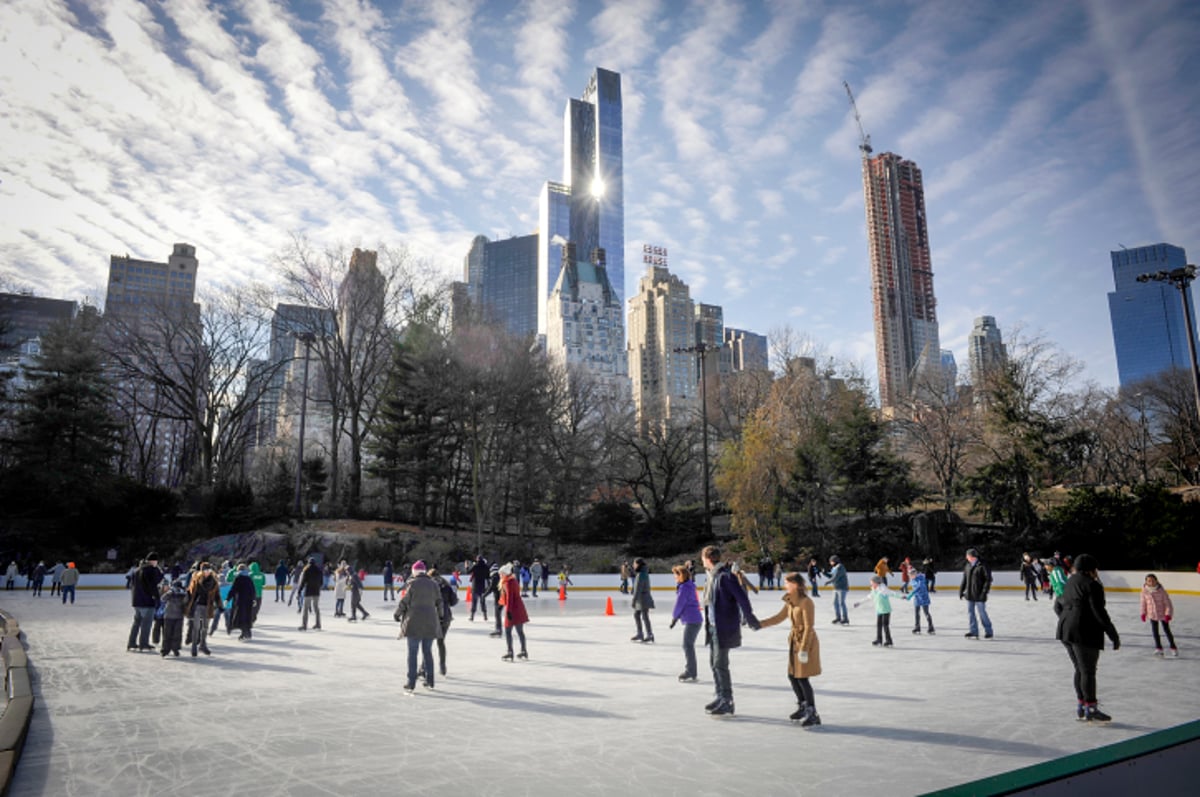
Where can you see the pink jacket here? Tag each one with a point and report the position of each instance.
(1156, 603)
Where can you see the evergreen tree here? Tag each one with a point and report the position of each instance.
(65, 437)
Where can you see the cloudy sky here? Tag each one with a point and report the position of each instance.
(1049, 133)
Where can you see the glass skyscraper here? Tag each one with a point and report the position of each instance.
(592, 192)
(1149, 332)
(502, 282)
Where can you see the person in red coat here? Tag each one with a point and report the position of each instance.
(515, 615)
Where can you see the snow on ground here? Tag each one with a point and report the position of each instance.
(323, 713)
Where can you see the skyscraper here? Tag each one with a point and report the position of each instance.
(502, 282)
(588, 206)
(137, 286)
(661, 320)
(985, 350)
(1149, 332)
(747, 350)
(906, 327)
(584, 326)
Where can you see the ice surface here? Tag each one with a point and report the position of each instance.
(323, 713)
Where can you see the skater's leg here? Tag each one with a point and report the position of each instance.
(690, 632)
(1170, 637)
(1157, 638)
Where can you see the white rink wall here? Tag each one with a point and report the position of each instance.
(590, 583)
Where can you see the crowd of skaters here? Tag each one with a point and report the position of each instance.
(200, 596)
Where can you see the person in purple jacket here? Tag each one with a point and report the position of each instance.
(687, 610)
(725, 604)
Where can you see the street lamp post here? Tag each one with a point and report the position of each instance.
(307, 339)
(701, 349)
(1181, 278)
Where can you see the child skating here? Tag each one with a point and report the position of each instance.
(881, 596)
(1156, 606)
(804, 650)
(919, 595)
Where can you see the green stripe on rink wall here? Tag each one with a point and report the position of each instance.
(1078, 763)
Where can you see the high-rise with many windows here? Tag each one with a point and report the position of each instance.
(985, 350)
(588, 206)
(906, 327)
(584, 324)
(139, 286)
(502, 282)
(662, 320)
(1148, 327)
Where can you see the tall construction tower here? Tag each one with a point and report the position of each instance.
(906, 328)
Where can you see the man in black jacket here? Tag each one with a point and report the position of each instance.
(976, 583)
(312, 579)
(145, 601)
(479, 586)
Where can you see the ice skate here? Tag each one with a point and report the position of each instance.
(799, 713)
(1158, 652)
(916, 630)
(685, 677)
(523, 655)
(811, 718)
(637, 638)
(930, 631)
(712, 705)
(1174, 653)
(1094, 714)
(722, 709)
(507, 656)
(648, 639)
(410, 688)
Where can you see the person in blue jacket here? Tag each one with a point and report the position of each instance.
(687, 611)
(725, 604)
(919, 595)
(841, 586)
(281, 580)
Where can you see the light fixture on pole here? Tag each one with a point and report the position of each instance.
(307, 338)
(700, 350)
(1181, 278)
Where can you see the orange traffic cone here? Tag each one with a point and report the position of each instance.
(468, 593)
(562, 592)
(608, 610)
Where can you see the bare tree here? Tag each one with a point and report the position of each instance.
(942, 429)
(196, 368)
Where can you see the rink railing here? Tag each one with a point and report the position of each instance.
(603, 584)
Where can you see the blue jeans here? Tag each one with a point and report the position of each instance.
(139, 633)
(973, 627)
(839, 605)
(426, 647)
(719, 660)
(690, 632)
(68, 588)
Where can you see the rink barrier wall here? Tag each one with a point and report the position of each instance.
(1002, 581)
(1162, 762)
(18, 708)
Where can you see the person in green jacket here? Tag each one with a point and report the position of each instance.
(1058, 579)
(881, 596)
(260, 580)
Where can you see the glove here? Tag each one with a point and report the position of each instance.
(673, 622)
(804, 657)
(754, 624)
(1166, 618)
(1116, 643)
(1143, 618)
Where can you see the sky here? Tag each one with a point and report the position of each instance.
(1049, 134)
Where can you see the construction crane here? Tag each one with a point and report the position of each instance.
(864, 141)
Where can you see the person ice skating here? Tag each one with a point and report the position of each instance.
(10, 575)
(297, 590)
(804, 649)
(814, 573)
(564, 580)
(839, 579)
(927, 567)
(1057, 577)
(311, 579)
(643, 601)
(1029, 576)
(535, 574)
(174, 596)
(1156, 606)
(204, 600)
(69, 580)
(493, 589)
(881, 596)
(626, 573)
(524, 573)
(906, 571)
(687, 611)
(241, 600)
(356, 591)
(1083, 623)
(743, 579)
(281, 580)
(919, 595)
(145, 601)
(480, 574)
(882, 570)
(976, 583)
(389, 575)
(419, 613)
(515, 616)
(341, 578)
(449, 599)
(56, 577)
(38, 577)
(725, 606)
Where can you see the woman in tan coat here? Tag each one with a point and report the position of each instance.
(804, 650)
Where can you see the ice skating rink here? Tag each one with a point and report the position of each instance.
(323, 713)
